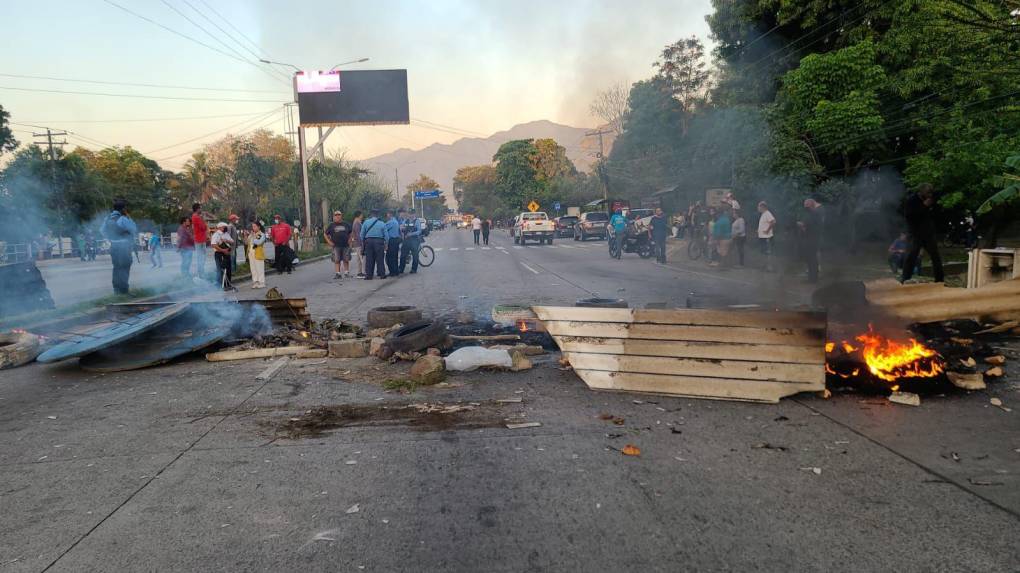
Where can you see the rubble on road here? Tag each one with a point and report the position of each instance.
(18, 347)
(967, 381)
(428, 370)
(353, 348)
(905, 398)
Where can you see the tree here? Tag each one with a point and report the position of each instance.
(474, 187)
(428, 208)
(7, 141)
(610, 106)
(550, 161)
(644, 157)
(516, 178)
(682, 71)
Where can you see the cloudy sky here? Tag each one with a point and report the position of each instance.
(476, 66)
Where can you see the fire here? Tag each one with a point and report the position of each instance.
(888, 359)
(891, 360)
(522, 325)
(304, 334)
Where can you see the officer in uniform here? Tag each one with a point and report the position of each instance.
(120, 230)
(411, 229)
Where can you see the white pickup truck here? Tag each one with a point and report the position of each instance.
(533, 226)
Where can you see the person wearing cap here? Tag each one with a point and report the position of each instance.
(279, 233)
(338, 235)
(411, 228)
(373, 237)
(232, 221)
(393, 240)
(223, 246)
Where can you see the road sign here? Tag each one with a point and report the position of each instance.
(428, 194)
(556, 205)
(533, 206)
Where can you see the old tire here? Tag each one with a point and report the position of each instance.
(602, 303)
(416, 336)
(18, 348)
(387, 316)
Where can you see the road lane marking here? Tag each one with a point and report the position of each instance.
(437, 249)
(454, 248)
(486, 249)
(469, 248)
(525, 265)
(518, 247)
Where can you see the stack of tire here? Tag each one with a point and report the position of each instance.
(22, 289)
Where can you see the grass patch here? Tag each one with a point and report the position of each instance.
(401, 385)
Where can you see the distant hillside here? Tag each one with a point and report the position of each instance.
(441, 161)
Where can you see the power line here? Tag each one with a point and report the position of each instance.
(194, 117)
(181, 98)
(232, 38)
(143, 85)
(227, 21)
(229, 127)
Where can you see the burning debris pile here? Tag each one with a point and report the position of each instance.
(872, 358)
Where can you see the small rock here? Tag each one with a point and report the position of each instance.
(375, 346)
(905, 398)
(348, 348)
(967, 381)
(520, 362)
(968, 362)
(434, 352)
(353, 509)
(994, 372)
(429, 369)
(997, 360)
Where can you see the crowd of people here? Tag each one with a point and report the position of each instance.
(385, 243)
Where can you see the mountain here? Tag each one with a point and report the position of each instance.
(441, 161)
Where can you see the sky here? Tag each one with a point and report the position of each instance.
(476, 66)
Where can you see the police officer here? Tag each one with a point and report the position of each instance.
(393, 239)
(120, 230)
(373, 240)
(411, 228)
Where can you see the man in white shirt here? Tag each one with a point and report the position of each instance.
(476, 228)
(730, 200)
(766, 230)
(223, 247)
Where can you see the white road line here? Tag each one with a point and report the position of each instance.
(437, 249)
(469, 248)
(501, 248)
(454, 248)
(486, 249)
(566, 246)
(529, 268)
(518, 247)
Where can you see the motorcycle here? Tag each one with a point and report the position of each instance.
(633, 242)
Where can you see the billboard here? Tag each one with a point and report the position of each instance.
(352, 97)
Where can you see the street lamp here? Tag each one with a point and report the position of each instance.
(279, 64)
(361, 61)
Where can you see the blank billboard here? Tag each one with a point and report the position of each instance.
(364, 97)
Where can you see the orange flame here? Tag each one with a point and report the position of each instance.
(304, 334)
(522, 325)
(891, 360)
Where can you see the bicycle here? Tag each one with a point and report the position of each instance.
(697, 245)
(426, 255)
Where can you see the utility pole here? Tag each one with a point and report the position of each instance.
(53, 175)
(396, 184)
(602, 158)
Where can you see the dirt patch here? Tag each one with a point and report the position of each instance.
(422, 417)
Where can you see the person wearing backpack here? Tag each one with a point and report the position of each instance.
(121, 231)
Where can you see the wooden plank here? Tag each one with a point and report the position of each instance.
(692, 367)
(785, 336)
(256, 353)
(694, 317)
(814, 354)
(715, 388)
(273, 368)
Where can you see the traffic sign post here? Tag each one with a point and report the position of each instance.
(556, 206)
(425, 194)
(533, 206)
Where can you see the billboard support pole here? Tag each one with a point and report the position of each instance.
(303, 152)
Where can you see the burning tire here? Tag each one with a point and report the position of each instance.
(602, 303)
(18, 348)
(417, 336)
(387, 316)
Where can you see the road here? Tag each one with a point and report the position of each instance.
(182, 467)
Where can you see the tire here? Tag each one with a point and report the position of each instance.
(575, 236)
(426, 256)
(695, 249)
(517, 240)
(550, 241)
(18, 348)
(602, 303)
(645, 250)
(416, 336)
(522, 239)
(387, 316)
(584, 237)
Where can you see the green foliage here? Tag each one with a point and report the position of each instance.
(7, 141)
(1010, 193)
(516, 177)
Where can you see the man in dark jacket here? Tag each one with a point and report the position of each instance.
(921, 224)
(120, 230)
(659, 231)
(811, 236)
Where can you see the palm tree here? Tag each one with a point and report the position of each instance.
(197, 176)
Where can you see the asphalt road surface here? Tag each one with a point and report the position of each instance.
(194, 465)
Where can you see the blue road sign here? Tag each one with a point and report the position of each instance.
(429, 194)
(556, 205)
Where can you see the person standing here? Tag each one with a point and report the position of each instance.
(279, 233)
(338, 235)
(486, 228)
(811, 237)
(200, 234)
(357, 248)
(121, 231)
(476, 228)
(393, 240)
(155, 255)
(722, 236)
(256, 255)
(921, 225)
(232, 222)
(658, 231)
(222, 246)
(412, 230)
(373, 237)
(619, 224)
(185, 245)
(766, 231)
(739, 229)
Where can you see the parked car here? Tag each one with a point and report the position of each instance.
(565, 225)
(591, 224)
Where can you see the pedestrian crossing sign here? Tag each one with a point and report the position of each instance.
(533, 206)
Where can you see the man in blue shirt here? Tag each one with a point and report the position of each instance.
(619, 224)
(393, 240)
(120, 230)
(373, 241)
(411, 228)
